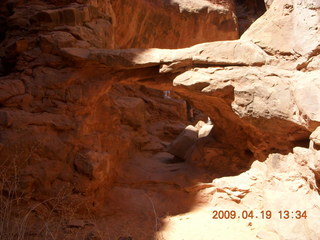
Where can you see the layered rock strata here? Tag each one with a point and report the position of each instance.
(69, 120)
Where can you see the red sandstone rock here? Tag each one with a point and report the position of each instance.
(173, 24)
(73, 116)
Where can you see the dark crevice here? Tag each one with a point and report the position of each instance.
(302, 143)
(173, 160)
(7, 66)
(247, 12)
(10, 7)
(3, 28)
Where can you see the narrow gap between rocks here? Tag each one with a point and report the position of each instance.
(176, 152)
(180, 148)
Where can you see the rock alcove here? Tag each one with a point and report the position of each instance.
(86, 126)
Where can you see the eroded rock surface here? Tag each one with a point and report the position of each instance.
(281, 183)
(215, 53)
(173, 24)
(83, 120)
(289, 33)
(50, 25)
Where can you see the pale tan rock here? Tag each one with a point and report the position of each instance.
(283, 29)
(315, 136)
(266, 186)
(210, 6)
(315, 166)
(313, 63)
(205, 130)
(306, 88)
(182, 146)
(199, 124)
(230, 53)
(293, 98)
(315, 139)
(268, 235)
(215, 53)
(268, 3)
(310, 158)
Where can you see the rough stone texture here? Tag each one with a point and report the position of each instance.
(268, 3)
(313, 63)
(215, 53)
(259, 93)
(85, 133)
(183, 142)
(315, 136)
(267, 104)
(315, 139)
(93, 123)
(204, 129)
(273, 108)
(288, 31)
(271, 185)
(180, 147)
(51, 25)
(69, 112)
(173, 24)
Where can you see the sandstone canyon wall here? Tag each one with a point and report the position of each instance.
(173, 24)
(78, 107)
(52, 109)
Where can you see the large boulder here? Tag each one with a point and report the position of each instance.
(182, 145)
(273, 101)
(204, 129)
(183, 142)
(288, 32)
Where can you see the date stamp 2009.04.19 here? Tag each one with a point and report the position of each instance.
(264, 214)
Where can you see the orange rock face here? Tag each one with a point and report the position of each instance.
(53, 111)
(85, 123)
(172, 24)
